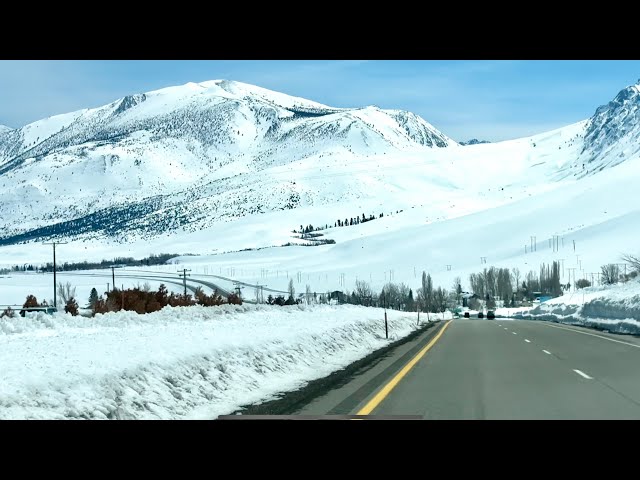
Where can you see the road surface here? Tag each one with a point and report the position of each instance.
(498, 369)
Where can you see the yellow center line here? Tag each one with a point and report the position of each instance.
(382, 394)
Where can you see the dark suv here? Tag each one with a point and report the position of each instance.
(491, 315)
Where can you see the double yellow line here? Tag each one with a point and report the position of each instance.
(386, 390)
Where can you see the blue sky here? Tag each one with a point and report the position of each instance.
(486, 99)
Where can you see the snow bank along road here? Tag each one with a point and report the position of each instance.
(182, 362)
(498, 369)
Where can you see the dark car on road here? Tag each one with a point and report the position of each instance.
(491, 315)
(466, 315)
(480, 315)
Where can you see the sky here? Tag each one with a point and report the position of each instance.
(485, 99)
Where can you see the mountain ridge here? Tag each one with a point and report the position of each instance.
(186, 157)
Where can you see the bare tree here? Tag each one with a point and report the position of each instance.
(391, 296)
(427, 291)
(403, 293)
(419, 300)
(363, 292)
(504, 288)
(515, 277)
(477, 284)
(65, 292)
(633, 261)
(440, 300)
(308, 294)
(258, 297)
(457, 289)
(610, 273)
(146, 287)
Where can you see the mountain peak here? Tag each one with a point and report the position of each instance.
(610, 123)
(474, 141)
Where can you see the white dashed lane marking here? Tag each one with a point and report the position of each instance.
(582, 374)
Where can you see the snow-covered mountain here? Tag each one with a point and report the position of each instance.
(184, 159)
(474, 141)
(4, 129)
(186, 155)
(613, 133)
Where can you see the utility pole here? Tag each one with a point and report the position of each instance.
(184, 276)
(574, 277)
(113, 275)
(55, 304)
(574, 245)
(386, 327)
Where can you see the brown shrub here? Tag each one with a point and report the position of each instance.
(31, 301)
(100, 306)
(71, 306)
(234, 299)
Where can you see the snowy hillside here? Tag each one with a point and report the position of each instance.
(184, 159)
(187, 156)
(280, 162)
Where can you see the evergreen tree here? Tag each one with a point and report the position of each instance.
(410, 304)
(93, 297)
(291, 292)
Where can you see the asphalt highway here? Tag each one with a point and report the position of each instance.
(497, 369)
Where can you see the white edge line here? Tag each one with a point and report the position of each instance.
(528, 341)
(547, 352)
(582, 374)
(593, 335)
